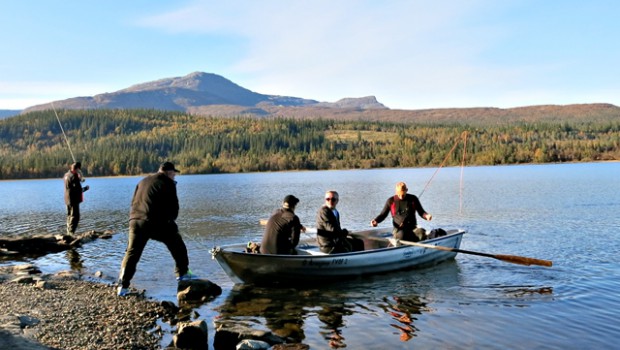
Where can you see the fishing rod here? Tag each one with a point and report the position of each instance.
(63, 132)
(79, 171)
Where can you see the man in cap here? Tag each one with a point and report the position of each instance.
(154, 209)
(283, 229)
(74, 196)
(403, 207)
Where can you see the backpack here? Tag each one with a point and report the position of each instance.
(436, 232)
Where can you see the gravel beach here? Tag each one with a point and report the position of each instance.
(65, 312)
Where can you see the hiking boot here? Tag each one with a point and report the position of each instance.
(189, 275)
(122, 292)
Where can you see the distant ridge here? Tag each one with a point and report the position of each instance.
(208, 94)
(194, 91)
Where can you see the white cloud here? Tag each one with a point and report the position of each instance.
(328, 50)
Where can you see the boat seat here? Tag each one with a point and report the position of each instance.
(307, 249)
(315, 252)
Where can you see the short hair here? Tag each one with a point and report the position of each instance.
(401, 187)
(332, 192)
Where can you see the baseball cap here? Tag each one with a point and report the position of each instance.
(166, 166)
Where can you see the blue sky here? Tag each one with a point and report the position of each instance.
(409, 54)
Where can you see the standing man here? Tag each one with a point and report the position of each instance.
(154, 209)
(74, 196)
(330, 236)
(283, 229)
(403, 208)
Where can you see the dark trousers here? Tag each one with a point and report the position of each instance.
(73, 218)
(140, 232)
(344, 245)
(408, 234)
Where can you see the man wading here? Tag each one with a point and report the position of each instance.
(74, 196)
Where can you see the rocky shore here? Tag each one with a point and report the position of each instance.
(64, 312)
(69, 311)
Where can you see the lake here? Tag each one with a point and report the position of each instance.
(568, 213)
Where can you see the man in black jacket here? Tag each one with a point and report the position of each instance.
(403, 207)
(154, 209)
(283, 229)
(74, 196)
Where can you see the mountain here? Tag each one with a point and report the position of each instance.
(209, 94)
(193, 92)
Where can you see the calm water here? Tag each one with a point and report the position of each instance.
(567, 213)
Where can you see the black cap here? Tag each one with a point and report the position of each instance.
(168, 166)
(291, 200)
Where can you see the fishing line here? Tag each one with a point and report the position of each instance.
(63, 132)
(440, 166)
(461, 185)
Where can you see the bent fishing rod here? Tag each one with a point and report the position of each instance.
(68, 144)
(63, 133)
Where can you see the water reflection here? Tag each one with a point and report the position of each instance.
(291, 312)
(402, 310)
(331, 316)
(75, 260)
(282, 311)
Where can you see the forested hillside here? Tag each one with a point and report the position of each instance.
(130, 142)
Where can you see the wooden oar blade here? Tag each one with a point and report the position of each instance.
(522, 260)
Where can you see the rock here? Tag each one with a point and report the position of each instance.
(66, 275)
(42, 285)
(228, 336)
(23, 279)
(25, 269)
(192, 335)
(296, 346)
(12, 341)
(40, 245)
(251, 344)
(169, 306)
(16, 333)
(197, 291)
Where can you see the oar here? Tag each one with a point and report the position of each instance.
(513, 259)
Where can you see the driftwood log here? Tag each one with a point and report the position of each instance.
(40, 245)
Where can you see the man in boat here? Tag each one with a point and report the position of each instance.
(403, 207)
(74, 195)
(283, 229)
(330, 236)
(154, 209)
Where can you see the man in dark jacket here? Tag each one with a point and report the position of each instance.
(403, 208)
(283, 229)
(330, 236)
(74, 196)
(154, 209)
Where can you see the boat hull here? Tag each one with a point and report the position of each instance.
(310, 266)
